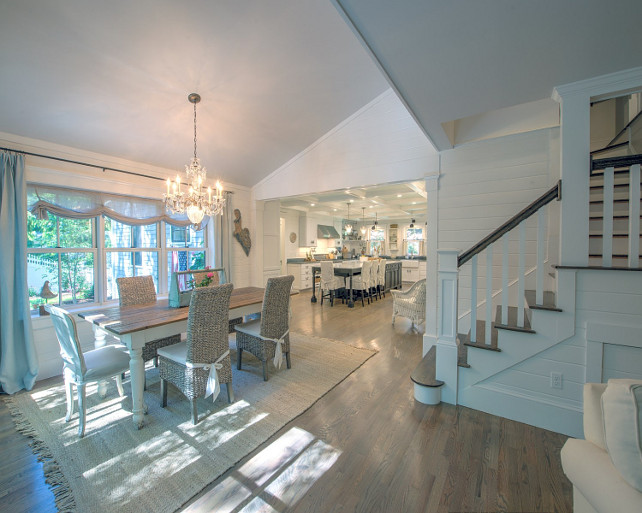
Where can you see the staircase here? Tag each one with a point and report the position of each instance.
(517, 330)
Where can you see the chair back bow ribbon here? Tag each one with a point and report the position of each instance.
(278, 352)
(213, 387)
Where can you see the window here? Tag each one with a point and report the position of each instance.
(82, 258)
(186, 250)
(414, 241)
(62, 252)
(377, 240)
(130, 251)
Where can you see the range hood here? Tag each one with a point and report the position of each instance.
(327, 232)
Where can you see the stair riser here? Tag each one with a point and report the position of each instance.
(620, 246)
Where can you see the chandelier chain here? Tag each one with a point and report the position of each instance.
(194, 130)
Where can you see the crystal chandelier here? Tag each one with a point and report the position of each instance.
(348, 227)
(197, 202)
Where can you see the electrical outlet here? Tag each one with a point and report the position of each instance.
(556, 380)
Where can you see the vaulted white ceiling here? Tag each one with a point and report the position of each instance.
(113, 77)
(454, 59)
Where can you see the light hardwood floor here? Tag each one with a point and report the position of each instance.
(367, 445)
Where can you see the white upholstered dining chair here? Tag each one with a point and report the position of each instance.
(329, 282)
(363, 282)
(81, 368)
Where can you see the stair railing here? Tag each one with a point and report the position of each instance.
(449, 268)
(503, 232)
(626, 171)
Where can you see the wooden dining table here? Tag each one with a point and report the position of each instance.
(139, 324)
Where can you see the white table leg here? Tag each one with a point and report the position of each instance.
(100, 336)
(137, 371)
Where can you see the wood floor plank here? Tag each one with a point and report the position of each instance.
(377, 450)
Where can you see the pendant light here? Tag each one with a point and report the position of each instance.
(412, 223)
(348, 227)
(363, 221)
(374, 226)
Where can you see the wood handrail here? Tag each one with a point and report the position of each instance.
(554, 193)
(616, 162)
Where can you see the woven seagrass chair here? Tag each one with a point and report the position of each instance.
(218, 278)
(139, 290)
(329, 282)
(268, 337)
(198, 365)
(410, 303)
(80, 369)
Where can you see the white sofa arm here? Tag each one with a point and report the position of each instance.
(595, 478)
(593, 418)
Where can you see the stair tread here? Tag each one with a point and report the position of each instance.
(480, 343)
(511, 322)
(425, 371)
(549, 302)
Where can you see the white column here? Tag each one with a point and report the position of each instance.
(432, 230)
(447, 370)
(607, 218)
(575, 173)
(634, 216)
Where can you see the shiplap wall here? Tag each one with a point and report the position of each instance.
(484, 184)
(380, 143)
(51, 172)
(611, 298)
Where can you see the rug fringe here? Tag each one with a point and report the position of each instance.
(54, 477)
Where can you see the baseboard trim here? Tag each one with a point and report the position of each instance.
(560, 417)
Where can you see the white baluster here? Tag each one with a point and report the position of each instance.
(607, 219)
(489, 292)
(541, 255)
(504, 319)
(473, 299)
(634, 216)
(520, 274)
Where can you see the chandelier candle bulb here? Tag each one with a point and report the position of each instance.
(209, 194)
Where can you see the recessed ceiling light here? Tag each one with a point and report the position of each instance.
(351, 201)
(370, 206)
(334, 209)
(414, 202)
(398, 195)
(311, 204)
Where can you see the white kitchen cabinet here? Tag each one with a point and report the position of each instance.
(410, 270)
(307, 231)
(302, 275)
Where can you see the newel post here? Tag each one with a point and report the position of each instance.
(446, 368)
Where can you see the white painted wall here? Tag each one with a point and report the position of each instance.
(606, 343)
(481, 186)
(526, 117)
(380, 143)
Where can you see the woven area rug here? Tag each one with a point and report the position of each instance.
(116, 467)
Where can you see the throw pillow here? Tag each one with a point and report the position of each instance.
(622, 407)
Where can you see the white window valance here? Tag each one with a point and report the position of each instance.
(80, 204)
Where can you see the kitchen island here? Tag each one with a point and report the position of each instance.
(349, 268)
